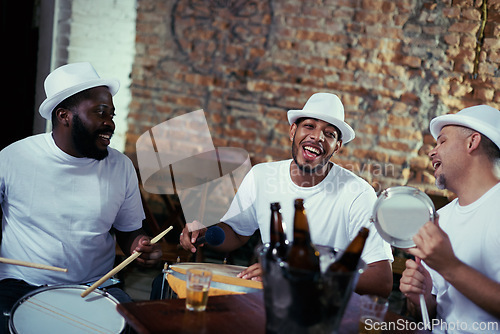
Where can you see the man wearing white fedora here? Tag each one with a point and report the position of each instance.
(338, 203)
(62, 192)
(457, 268)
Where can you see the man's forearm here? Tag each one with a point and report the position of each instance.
(232, 240)
(376, 279)
(481, 290)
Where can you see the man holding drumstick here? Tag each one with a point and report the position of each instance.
(338, 203)
(62, 192)
(459, 275)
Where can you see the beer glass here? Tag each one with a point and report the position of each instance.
(197, 286)
(373, 309)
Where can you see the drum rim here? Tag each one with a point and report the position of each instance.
(55, 287)
(181, 264)
(391, 192)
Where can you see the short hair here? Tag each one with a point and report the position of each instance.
(70, 103)
(489, 148)
(301, 119)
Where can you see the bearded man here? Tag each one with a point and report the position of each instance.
(338, 203)
(62, 192)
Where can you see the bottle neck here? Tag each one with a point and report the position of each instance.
(300, 224)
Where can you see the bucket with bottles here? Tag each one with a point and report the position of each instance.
(306, 287)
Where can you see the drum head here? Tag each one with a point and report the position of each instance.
(223, 278)
(400, 212)
(61, 309)
(217, 269)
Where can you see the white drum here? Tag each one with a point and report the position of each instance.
(61, 309)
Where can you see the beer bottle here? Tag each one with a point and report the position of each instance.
(304, 274)
(303, 256)
(349, 260)
(278, 246)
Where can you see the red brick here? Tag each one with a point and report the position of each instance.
(438, 89)
(491, 44)
(494, 57)
(465, 27)
(452, 12)
(484, 94)
(395, 145)
(471, 14)
(399, 121)
(419, 162)
(411, 61)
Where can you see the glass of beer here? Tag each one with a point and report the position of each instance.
(373, 309)
(197, 285)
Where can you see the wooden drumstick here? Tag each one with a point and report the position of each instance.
(31, 265)
(123, 264)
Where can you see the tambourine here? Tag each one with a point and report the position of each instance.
(400, 212)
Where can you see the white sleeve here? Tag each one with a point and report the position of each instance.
(241, 215)
(376, 249)
(131, 213)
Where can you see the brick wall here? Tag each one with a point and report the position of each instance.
(394, 64)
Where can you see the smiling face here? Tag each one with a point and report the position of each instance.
(449, 156)
(92, 124)
(313, 144)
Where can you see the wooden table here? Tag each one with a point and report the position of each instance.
(231, 314)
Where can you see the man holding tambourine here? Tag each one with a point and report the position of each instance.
(459, 275)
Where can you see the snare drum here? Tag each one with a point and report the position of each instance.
(224, 280)
(61, 309)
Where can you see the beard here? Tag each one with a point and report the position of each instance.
(441, 182)
(85, 141)
(307, 168)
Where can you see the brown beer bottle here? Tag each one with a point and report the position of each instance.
(349, 260)
(303, 256)
(278, 245)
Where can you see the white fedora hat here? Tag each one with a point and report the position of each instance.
(482, 118)
(326, 107)
(68, 80)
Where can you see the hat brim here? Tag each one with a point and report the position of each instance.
(463, 120)
(50, 103)
(348, 133)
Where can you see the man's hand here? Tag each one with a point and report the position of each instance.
(151, 254)
(190, 233)
(254, 273)
(416, 280)
(434, 247)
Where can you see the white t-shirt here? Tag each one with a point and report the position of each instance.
(474, 232)
(58, 210)
(336, 208)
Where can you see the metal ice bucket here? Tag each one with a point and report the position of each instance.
(316, 305)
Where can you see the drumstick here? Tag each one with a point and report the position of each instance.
(123, 264)
(31, 265)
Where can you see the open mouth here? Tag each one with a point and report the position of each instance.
(105, 138)
(436, 165)
(311, 152)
